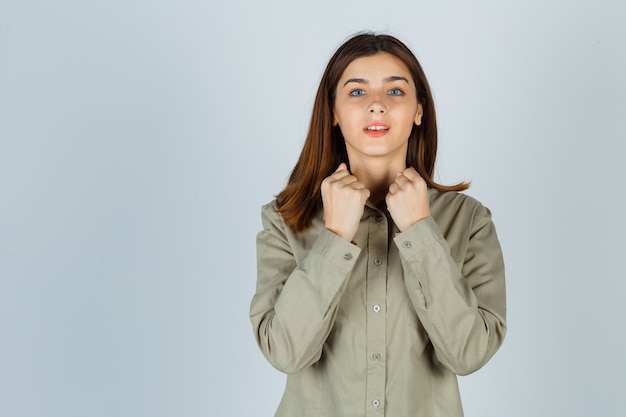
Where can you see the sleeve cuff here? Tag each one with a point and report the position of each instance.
(418, 237)
(337, 251)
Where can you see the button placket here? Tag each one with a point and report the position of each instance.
(376, 298)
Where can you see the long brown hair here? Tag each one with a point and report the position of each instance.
(324, 148)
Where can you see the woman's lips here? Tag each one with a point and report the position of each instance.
(376, 129)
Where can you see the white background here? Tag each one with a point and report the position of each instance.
(138, 140)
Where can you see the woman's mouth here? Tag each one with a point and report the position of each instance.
(376, 129)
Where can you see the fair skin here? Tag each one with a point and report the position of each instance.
(375, 107)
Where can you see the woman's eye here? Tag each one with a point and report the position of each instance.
(395, 92)
(357, 92)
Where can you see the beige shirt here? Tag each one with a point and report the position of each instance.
(380, 326)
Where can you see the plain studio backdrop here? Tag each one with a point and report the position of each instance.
(139, 139)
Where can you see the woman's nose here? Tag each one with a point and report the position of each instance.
(377, 106)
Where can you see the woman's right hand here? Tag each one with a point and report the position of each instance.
(344, 200)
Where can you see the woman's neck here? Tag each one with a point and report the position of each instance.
(377, 175)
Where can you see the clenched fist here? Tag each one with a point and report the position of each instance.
(343, 197)
(407, 199)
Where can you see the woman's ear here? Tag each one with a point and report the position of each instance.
(335, 123)
(419, 114)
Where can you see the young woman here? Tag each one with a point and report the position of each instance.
(376, 285)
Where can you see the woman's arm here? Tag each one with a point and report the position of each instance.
(295, 304)
(462, 309)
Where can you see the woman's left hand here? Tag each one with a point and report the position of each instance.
(407, 199)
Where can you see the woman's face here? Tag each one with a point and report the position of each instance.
(376, 107)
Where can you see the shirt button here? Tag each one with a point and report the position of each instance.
(378, 262)
(376, 356)
(376, 308)
(379, 218)
(406, 244)
(375, 403)
(347, 256)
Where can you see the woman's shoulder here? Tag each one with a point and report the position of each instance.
(269, 212)
(271, 206)
(455, 205)
(459, 217)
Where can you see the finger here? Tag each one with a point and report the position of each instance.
(347, 180)
(401, 180)
(342, 167)
(411, 174)
(339, 174)
(356, 185)
(394, 188)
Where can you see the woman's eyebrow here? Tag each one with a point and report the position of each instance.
(396, 78)
(356, 80)
(386, 80)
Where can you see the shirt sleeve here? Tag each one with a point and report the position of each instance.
(462, 308)
(295, 304)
